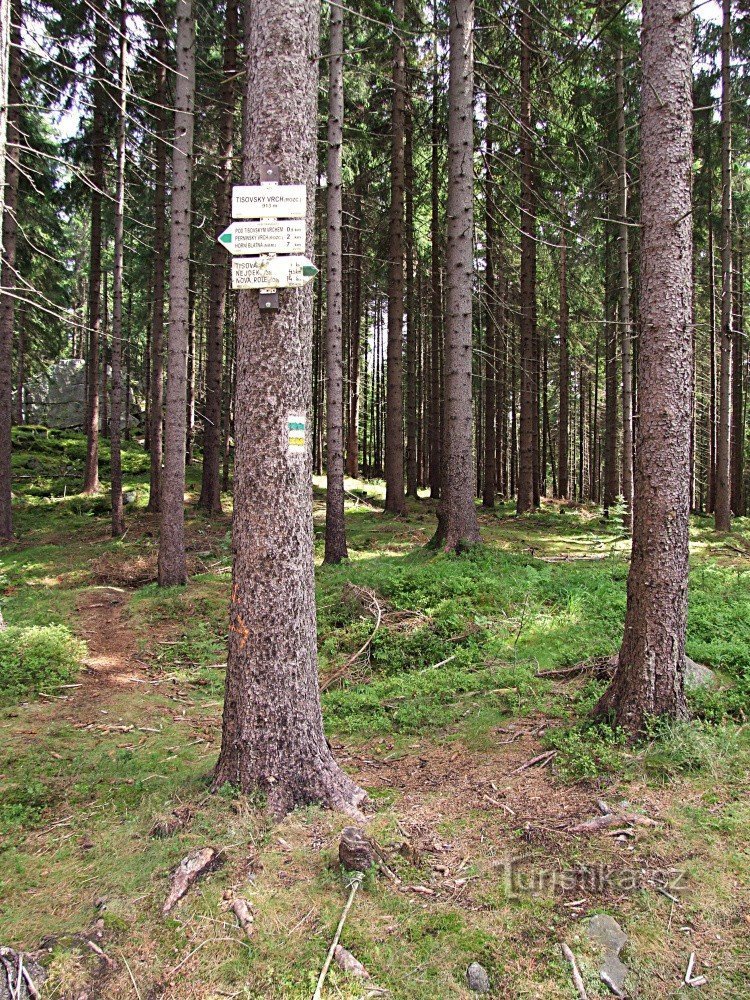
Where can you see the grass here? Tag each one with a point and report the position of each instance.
(434, 720)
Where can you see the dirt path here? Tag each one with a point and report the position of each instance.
(111, 662)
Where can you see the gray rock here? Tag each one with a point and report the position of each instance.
(698, 676)
(58, 398)
(607, 933)
(477, 979)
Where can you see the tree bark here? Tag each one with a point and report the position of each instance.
(91, 475)
(435, 416)
(611, 470)
(649, 680)
(563, 419)
(272, 739)
(723, 497)
(623, 297)
(489, 483)
(172, 561)
(411, 316)
(394, 425)
(335, 541)
(118, 519)
(738, 409)
(210, 496)
(526, 458)
(458, 527)
(156, 406)
(10, 55)
(355, 324)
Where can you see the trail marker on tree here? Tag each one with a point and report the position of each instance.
(278, 213)
(269, 201)
(272, 272)
(265, 236)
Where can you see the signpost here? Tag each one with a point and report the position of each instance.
(272, 272)
(276, 215)
(269, 201)
(260, 236)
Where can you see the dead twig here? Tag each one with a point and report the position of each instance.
(577, 978)
(342, 671)
(542, 759)
(355, 884)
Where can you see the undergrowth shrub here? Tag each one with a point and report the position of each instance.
(36, 659)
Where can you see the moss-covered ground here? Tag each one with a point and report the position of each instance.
(458, 689)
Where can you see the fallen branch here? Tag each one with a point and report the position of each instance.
(363, 649)
(355, 884)
(543, 759)
(577, 978)
(245, 918)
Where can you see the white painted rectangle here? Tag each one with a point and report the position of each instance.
(269, 201)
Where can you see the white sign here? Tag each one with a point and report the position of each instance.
(272, 272)
(269, 201)
(265, 236)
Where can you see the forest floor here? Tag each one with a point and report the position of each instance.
(441, 718)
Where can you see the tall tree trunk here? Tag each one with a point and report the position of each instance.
(10, 99)
(650, 675)
(563, 419)
(525, 501)
(172, 561)
(738, 409)
(190, 381)
(156, 396)
(91, 475)
(118, 519)
(435, 418)
(458, 527)
(272, 739)
(411, 316)
(611, 471)
(355, 340)
(335, 543)
(489, 485)
(394, 427)
(210, 497)
(723, 498)
(623, 296)
(20, 364)
(712, 338)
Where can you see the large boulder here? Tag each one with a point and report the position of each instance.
(58, 398)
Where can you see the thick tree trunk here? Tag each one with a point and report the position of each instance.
(156, 396)
(650, 675)
(563, 419)
(458, 527)
(623, 297)
(335, 543)
(10, 48)
(91, 475)
(435, 417)
(723, 498)
(526, 457)
(172, 561)
(272, 739)
(210, 497)
(118, 519)
(394, 424)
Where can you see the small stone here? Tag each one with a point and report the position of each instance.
(356, 851)
(607, 933)
(477, 978)
(698, 676)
